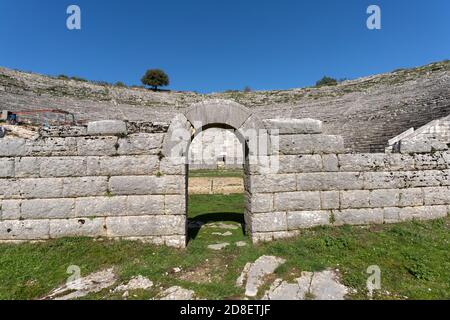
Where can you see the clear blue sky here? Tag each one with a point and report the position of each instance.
(215, 45)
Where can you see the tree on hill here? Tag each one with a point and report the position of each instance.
(326, 81)
(155, 78)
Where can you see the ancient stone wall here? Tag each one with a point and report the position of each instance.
(128, 180)
(311, 181)
(94, 181)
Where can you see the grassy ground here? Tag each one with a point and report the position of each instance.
(217, 173)
(414, 258)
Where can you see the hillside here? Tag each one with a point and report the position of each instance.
(366, 111)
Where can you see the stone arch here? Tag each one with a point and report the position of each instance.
(223, 114)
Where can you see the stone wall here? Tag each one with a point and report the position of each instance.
(311, 181)
(94, 181)
(128, 180)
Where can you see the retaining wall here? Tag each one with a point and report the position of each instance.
(114, 179)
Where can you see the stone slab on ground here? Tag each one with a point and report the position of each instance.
(218, 246)
(176, 293)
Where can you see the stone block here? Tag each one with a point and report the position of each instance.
(411, 197)
(430, 161)
(9, 189)
(10, 209)
(294, 126)
(265, 222)
(101, 206)
(415, 146)
(310, 144)
(384, 198)
(24, 230)
(330, 162)
(299, 163)
(28, 167)
(6, 167)
(307, 219)
(62, 166)
(122, 165)
(436, 196)
(144, 185)
(84, 187)
(176, 166)
(140, 143)
(326, 181)
(107, 128)
(141, 226)
(13, 148)
(47, 208)
(354, 199)
(175, 204)
(259, 202)
(330, 200)
(80, 227)
(295, 201)
(97, 146)
(145, 205)
(358, 216)
(272, 183)
(43, 188)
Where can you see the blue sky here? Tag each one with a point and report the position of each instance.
(215, 45)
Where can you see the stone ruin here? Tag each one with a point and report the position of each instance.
(127, 180)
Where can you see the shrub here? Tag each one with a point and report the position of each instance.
(326, 81)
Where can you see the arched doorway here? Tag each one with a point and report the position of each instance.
(222, 114)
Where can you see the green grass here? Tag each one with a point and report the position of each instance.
(414, 258)
(229, 173)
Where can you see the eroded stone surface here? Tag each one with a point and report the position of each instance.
(138, 282)
(322, 285)
(81, 287)
(218, 246)
(254, 273)
(176, 293)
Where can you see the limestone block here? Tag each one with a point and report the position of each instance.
(265, 222)
(411, 197)
(175, 204)
(272, 183)
(107, 128)
(358, 216)
(13, 147)
(307, 219)
(41, 188)
(384, 198)
(362, 162)
(330, 162)
(295, 201)
(97, 146)
(311, 144)
(47, 208)
(145, 205)
(415, 146)
(436, 195)
(100, 206)
(24, 229)
(259, 202)
(27, 167)
(9, 189)
(294, 126)
(140, 143)
(10, 209)
(175, 241)
(62, 166)
(175, 166)
(354, 199)
(430, 161)
(299, 163)
(217, 111)
(122, 165)
(384, 180)
(330, 181)
(417, 213)
(398, 162)
(80, 227)
(143, 185)
(330, 200)
(155, 225)
(6, 167)
(84, 187)
(47, 147)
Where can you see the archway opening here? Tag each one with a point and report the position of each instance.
(217, 177)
